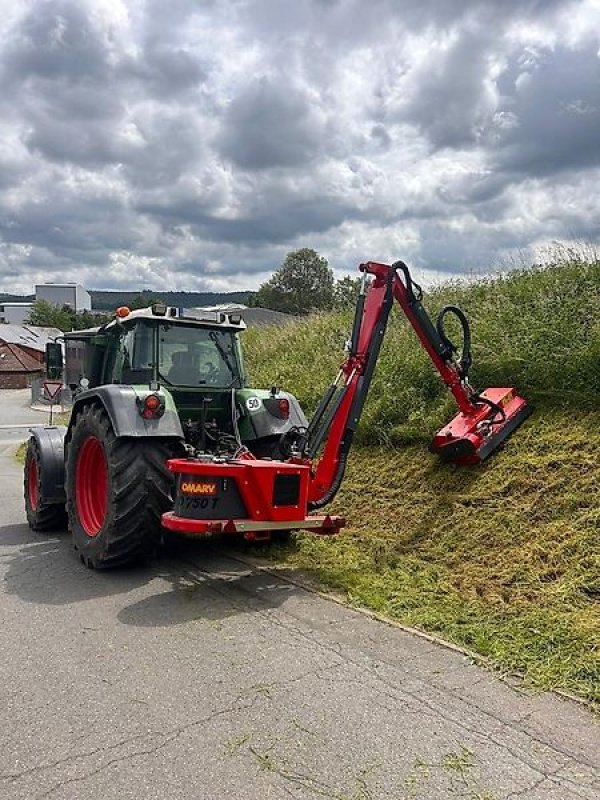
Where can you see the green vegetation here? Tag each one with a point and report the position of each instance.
(503, 558)
(20, 453)
(305, 283)
(64, 318)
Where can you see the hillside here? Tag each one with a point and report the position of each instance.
(108, 301)
(503, 558)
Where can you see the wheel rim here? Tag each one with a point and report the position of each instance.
(91, 486)
(32, 483)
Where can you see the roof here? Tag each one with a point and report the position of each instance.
(251, 316)
(59, 285)
(264, 316)
(14, 359)
(226, 307)
(30, 336)
(198, 316)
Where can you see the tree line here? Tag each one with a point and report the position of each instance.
(303, 283)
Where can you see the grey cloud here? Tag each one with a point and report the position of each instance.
(165, 72)
(449, 97)
(275, 219)
(56, 40)
(555, 104)
(270, 124)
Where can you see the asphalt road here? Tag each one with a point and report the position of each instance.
(200, 677)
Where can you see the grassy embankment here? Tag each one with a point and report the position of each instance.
(503, 558)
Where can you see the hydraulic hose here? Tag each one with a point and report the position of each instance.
(466, 359)
(313, 505)
(500, 413)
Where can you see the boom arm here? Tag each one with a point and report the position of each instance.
(338, 414)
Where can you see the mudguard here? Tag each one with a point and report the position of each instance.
(121, 404)
(51, 446)
(261, 416)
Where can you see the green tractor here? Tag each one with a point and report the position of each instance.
(148, 386)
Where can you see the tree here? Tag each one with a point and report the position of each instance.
(48, 315)
(143, 300)
(345, 292)
(303, 283)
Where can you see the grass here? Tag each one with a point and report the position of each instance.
(503, 558)
(21, 451)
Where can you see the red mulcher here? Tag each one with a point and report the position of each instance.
(255, 497)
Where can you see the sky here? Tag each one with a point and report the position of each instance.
(191, 144)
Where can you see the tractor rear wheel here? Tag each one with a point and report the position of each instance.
(117, 490)
(40, 516)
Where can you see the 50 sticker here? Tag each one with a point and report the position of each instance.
(253, 403)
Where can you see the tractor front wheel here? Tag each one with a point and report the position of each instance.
(41, 516)
(117, 490)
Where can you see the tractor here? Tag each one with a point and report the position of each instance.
(150, 385)
(165, 435)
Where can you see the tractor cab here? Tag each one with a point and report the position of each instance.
(156, 344)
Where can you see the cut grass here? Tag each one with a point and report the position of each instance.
(503, 558)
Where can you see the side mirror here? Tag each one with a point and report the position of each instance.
(54, 360)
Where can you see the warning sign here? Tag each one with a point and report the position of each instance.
(52, 389)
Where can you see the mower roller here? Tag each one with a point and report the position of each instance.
(256, 496)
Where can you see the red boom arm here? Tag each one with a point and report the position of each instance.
(484, 420)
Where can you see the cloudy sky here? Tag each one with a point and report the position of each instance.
(191, 144)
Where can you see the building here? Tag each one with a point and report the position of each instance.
(22, 352)
(251, 316)
(64, 294)
(17, 368)
(14, 313)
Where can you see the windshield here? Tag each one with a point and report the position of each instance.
(194, 356)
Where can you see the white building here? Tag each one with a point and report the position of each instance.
(64, 294)
(14, 313)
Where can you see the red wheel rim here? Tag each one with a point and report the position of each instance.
(91, 486)
(32, 483)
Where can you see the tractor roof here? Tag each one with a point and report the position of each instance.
(158, 312)
(204, 319)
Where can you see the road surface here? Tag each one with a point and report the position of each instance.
(200, 677)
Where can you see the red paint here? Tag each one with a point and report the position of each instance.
(476, 428)
(327, 526)
(32, 483)
(91, 486)
(255, 479)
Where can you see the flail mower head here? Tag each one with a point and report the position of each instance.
(474, 435)
(485, 419)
